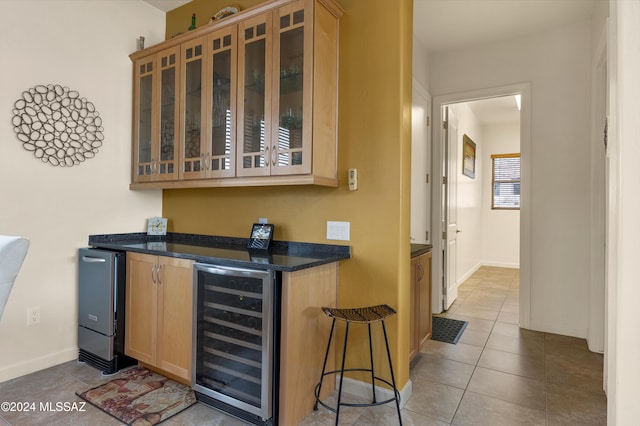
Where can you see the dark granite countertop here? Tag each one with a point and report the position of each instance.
(418, 249)
(225, 251)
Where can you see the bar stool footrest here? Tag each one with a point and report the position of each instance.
(353, 404)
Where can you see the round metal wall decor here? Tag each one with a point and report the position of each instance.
(58, 125)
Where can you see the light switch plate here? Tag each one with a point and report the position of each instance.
(338, 230)
(353, 179)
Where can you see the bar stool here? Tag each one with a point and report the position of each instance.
(366, 315)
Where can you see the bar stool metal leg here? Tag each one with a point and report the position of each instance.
(324, 364)
(373, 383)
(344, 357)
(393, 379)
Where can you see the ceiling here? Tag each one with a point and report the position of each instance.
(495, 110)
(442, 25)
(438, 23)
(456, 24)
(445, 25)
(167, 5)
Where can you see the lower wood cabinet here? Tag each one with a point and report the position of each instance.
(304, 335)
(420, 328)
(158, 330)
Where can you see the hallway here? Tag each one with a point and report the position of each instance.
(500, 375)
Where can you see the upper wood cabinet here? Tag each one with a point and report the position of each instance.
(255, 101)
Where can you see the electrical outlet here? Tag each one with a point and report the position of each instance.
(33, 315)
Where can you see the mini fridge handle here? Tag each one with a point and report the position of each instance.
(90, 259)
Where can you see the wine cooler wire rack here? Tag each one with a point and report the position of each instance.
(232, 341)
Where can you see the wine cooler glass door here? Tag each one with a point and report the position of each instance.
(233, 337)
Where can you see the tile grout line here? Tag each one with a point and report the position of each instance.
(475, 366)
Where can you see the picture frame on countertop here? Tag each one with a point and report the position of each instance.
(260, 238)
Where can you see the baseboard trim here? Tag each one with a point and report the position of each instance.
(36, 364)
(363, 390)
(564, 331)
(502, 265)
(469, 273)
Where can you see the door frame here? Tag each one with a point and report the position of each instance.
(524, 89)
(450, 139)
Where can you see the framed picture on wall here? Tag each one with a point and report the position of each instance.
(468, 157)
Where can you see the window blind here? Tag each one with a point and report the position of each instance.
(506, 181)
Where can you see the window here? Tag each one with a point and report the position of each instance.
(505, 191)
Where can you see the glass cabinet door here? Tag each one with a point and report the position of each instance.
(169, 71)
(292, 126)
(221, 146)
(156, 115)
(192, 134)
(143, 166)
(254, 93)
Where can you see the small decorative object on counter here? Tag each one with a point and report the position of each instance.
(193, 22)
(157, 226)
(261, 234)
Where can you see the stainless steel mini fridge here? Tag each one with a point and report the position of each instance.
(101, 309)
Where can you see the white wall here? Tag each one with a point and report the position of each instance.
(420, 148)
(469, 200)
(420, 232)
(420, 64)
(83, 45)
(500, 228)
(557, 64)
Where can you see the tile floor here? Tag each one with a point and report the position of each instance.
(496, 375)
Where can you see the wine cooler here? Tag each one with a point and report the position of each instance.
(235, 362)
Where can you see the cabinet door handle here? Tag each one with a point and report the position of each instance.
(274, 156)
(159, 274)
(267, 157)
(153, 274)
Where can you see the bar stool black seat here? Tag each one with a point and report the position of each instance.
(367, 315)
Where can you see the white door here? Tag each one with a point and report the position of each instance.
(450, 207)
(420, 167)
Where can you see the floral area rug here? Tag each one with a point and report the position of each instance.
(140, 397)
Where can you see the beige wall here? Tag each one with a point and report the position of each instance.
(500, 228)
(374, 137)
(85, 46)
